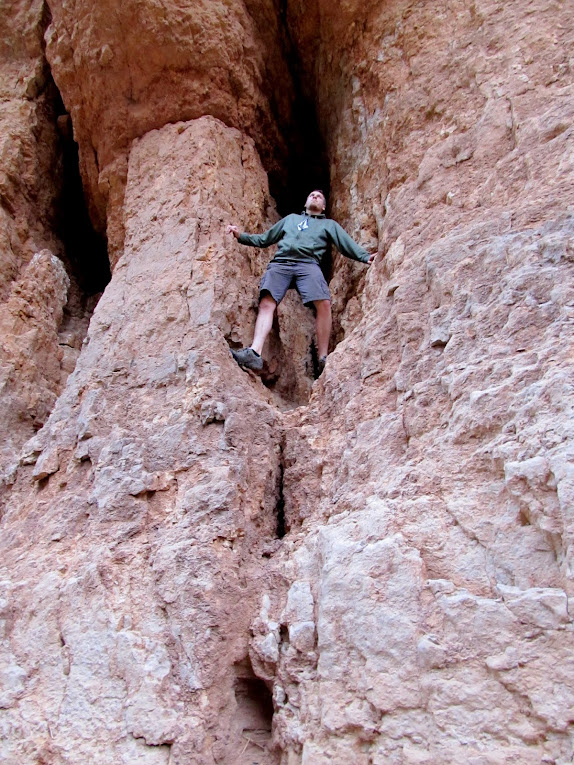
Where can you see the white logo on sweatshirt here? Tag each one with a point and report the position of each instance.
(303, 225)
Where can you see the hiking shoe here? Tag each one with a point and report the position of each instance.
(321, 365)
(248, 359)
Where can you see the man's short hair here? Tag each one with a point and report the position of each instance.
(320, 192)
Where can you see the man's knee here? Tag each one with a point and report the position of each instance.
(267, 303)
(323, 307)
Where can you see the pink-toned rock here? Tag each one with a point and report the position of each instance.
(29, 163)
(160, 469)
(30, 355)
(430, 474)
(149, 65)
(418, 609)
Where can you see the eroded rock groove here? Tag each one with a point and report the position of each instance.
(254, 717)
(307, 164)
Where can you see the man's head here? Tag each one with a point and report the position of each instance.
(316, 202)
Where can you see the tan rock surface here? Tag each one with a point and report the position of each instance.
(152, 64)
(28, 158)
(33, 283)
(418, 610)
(157, 483)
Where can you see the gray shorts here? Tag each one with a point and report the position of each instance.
(306, 278)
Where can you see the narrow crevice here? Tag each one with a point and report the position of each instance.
(280, 504)
(85, 249)
(301, 165)
(315, 360)
(307, 166)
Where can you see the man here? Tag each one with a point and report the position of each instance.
(303, 240)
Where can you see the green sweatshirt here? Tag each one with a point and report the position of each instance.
(306, 238)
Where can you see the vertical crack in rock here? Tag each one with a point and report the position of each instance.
(85, 248)
(290, 363)
(85, 255)
(280, 506)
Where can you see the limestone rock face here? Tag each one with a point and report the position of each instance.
(374, 568)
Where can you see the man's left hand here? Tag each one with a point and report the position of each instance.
(372, 256)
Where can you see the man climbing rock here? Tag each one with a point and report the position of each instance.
(303, 240)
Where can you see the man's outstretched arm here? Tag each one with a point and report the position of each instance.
(346, 245)
(259, 240)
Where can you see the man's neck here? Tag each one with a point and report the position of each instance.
(312, 211)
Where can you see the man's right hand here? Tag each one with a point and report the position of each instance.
(234, 230)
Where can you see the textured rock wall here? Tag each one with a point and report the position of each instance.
(418, 609)
(28, 161)
(438, 116)
(31, 369)
(33, 282)
(156, 482)
(432, 471)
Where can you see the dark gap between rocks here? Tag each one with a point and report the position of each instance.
(253, 717)
(290, 366)
(84, 254)
(280, 505)
(306, 166)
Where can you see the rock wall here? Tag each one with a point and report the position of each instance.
(33, 282)
(29, 163)
(149, 441)
(200, 568)
(435, 488)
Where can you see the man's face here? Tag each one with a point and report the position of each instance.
(315, 202)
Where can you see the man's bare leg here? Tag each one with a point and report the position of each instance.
(323, 326)
(264, 322)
